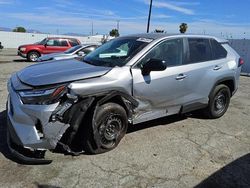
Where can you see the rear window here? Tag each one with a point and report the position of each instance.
(218, 51)
(73, 42)
(199, 50)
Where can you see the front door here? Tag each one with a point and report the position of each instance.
(160, 93)
(55, 45)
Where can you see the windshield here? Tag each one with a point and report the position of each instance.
(42, 42)
(116, 52)
(73, 49)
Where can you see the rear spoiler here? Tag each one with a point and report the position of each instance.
(222, 41)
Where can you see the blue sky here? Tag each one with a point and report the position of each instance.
(227, 18)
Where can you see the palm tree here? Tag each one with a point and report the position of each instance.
(114, 33)
(183, 27)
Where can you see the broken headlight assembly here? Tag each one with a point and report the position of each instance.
(43, 97)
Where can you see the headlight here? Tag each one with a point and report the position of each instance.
(22, 49)
(43, 97)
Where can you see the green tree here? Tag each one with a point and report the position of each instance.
(114, 33)
(183, 27)
(159, 31)
(19, 29)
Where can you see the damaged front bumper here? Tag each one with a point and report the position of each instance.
(23, 155)
(30, 131)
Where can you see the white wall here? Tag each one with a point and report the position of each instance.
(14, 39)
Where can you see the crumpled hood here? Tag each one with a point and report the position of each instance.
(55, 72)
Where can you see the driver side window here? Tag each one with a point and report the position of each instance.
(51, 42)
(170, 51)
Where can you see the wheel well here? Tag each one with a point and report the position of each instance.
(229, 84)
(34, 51)
(118, 100)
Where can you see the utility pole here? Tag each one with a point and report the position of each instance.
(92, 28)
(118, 25)
(149, 15)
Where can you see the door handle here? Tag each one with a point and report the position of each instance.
(181, 77)
(217, 67)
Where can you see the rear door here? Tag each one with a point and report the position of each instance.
(162, 92)
(56, 45)
(202, 68)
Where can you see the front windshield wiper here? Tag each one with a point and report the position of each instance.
(117, 57)
(103, 64)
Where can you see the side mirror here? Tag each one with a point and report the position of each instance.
(153, 65)
(81, 53)
(45, 45)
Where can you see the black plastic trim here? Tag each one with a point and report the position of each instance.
(230, 78)
(192, 107)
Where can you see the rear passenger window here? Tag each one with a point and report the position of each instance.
(63, 43)
(199, 50)
(73, 42)
(218, 51)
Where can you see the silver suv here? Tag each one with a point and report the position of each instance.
(87, 105)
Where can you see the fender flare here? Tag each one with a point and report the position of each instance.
(229, 78)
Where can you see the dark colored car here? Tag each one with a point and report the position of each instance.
(1, 46)
(48, 45)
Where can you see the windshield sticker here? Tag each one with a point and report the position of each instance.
(144, 40)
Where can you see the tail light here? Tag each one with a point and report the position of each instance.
(241, 62)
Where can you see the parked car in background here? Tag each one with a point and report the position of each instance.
(87, 105)
(1, 46)
(76, 51)
(48, 45)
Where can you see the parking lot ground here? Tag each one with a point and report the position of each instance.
(169, 152)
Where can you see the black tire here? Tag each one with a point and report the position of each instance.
(219, 100)
(108, 127)
(33, 56)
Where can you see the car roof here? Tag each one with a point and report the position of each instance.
(61, 38)
(90, 44)
(156, 36)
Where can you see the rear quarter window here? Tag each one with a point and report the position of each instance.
(218, 51)
(199, 50)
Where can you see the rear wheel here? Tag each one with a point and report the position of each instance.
(218, 101)
(33, 56)
(109, 127)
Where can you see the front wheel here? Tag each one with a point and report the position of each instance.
(108, 127)
(218, 101)
(33, 56)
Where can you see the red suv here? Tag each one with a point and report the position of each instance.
(46, 46)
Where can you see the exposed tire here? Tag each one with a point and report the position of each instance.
(108, 127)
(33, 56)
(219, 100)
